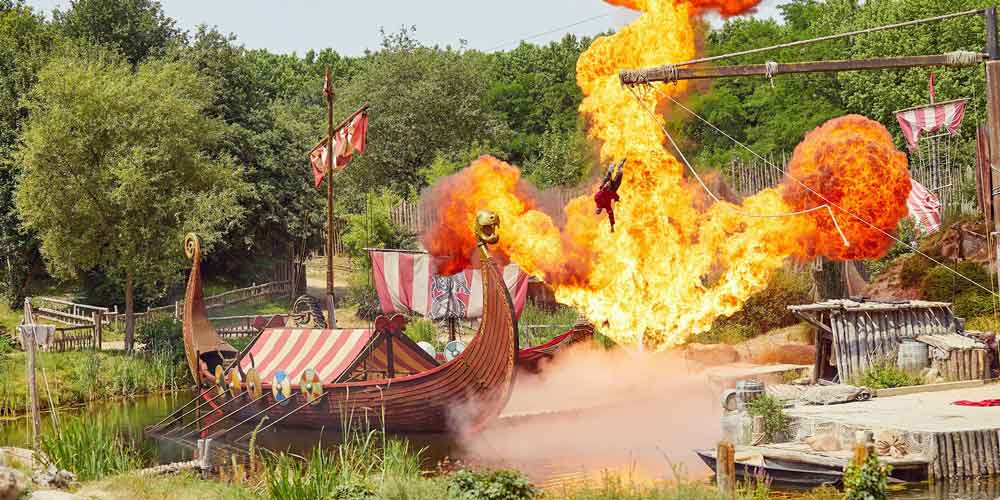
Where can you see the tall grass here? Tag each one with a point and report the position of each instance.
(84, 376)
(357, 468)
(91, 449)
(616, 487)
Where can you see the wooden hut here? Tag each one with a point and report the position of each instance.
(853, 335)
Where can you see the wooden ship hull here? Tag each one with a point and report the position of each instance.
(460, 395)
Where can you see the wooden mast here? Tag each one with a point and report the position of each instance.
(328, 300)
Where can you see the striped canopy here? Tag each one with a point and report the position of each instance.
(933, 118)
(328, 352)
(406, 283)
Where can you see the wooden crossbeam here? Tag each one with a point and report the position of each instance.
(669, 73)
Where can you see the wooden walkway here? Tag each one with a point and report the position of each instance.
(956, 441)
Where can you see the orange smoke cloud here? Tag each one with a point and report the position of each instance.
(725, 7)
(675, 262)
(854, 164)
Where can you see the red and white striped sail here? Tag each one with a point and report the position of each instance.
(406, 283)
(924, 207)
(932, 118)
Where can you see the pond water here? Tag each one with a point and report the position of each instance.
(546, 467)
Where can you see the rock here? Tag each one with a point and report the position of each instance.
(711, 354)
(54, 478)
(793, 354)
(19, 458)
(823, 442)
(13, 483)
(931, 376)
(53, 495)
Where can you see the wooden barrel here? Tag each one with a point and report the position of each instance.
(912, 356)
(747, 391)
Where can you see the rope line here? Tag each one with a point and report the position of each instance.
(814, 192)
(730, 205)
(832, 37)
(549, 32)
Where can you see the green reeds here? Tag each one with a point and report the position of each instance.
(91, 449)
(358, 467)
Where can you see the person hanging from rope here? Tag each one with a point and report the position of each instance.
(608, 193)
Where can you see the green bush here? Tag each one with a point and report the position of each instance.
(905, 231)
(886, 375)
(972, 303)
(91, 449)
(422, 330)
(726, 333)
(374, 228)
(776, 423)
(492, 485)
(942, 284)
(867, 481)
(7, 343)
(764, 311)
(988, 323)
(913, 269)
(163, 336)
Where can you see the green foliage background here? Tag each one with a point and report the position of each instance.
(434, 109)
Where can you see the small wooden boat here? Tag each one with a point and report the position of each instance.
(798, 475)
(462, 394)
(530, 359)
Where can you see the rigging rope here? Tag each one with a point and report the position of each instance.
(804, 185)
(716, 198)
(832, 37)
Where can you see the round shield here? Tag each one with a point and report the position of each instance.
(428, 348)
(235, 384)
(281, 387)
(310, 385)
(253, 383)
(453, 349)
(220, 380)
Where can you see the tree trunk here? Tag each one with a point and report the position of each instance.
(129, 313)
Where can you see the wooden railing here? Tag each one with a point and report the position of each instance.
(75, 338)
(70, 313)
(239, 326)
(255, 294)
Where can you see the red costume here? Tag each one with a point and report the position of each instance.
(608, 193)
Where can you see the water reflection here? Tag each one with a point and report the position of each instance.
(551, 470)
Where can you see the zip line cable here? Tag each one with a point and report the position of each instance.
(731, 206)
(832, 37)
(797, 181)
(549, 32)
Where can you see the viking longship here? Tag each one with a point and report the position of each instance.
(325, 378)
(406, 282)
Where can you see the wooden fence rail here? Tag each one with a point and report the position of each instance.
(70, 313)
(252, 295)
(75, 338)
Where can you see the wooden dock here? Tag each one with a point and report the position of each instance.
(954, 441)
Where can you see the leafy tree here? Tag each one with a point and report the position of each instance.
(115, 171)
(424, 101)
(137, 28)
(24, 44)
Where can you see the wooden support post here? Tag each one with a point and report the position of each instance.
(993, 127)
(98, 329)
(725, 468)
(390, 361)
(992, 46)
(30, 343)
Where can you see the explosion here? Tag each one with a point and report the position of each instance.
(677, 260)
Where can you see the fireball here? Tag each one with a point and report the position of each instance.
(675, 263)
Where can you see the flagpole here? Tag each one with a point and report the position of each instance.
(328, 91)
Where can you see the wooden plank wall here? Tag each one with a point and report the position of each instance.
(862, 337)
(966, 454)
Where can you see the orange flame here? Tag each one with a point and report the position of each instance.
(677, 261)
(852, 162)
